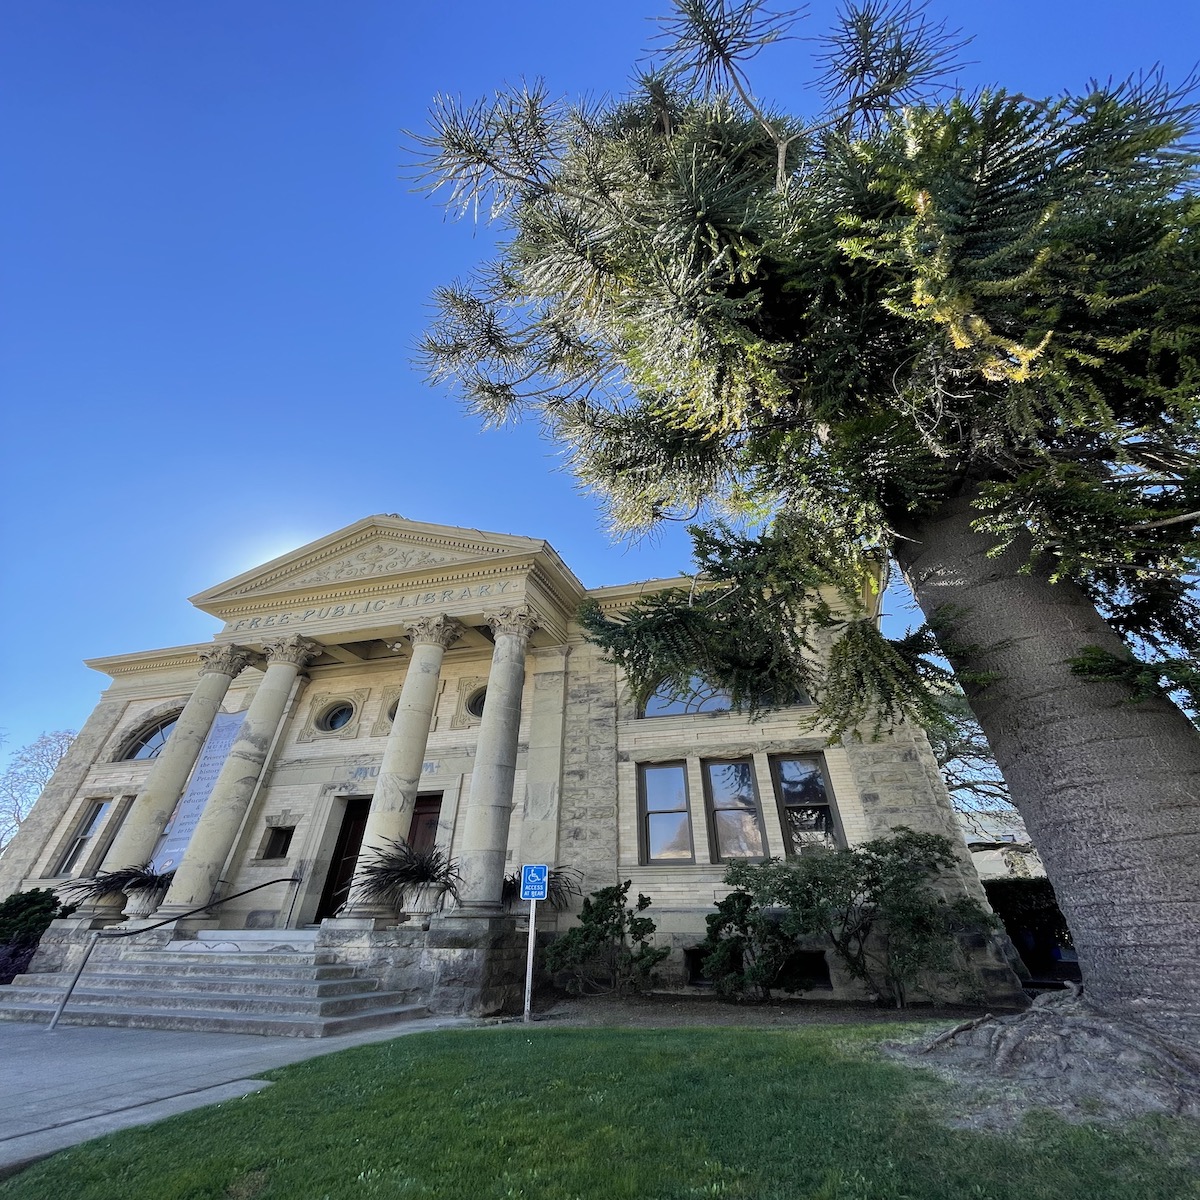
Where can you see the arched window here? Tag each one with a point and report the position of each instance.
(151, 740)
(673, 699)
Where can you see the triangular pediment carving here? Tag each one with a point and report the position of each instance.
(374, 548)
(383, 557)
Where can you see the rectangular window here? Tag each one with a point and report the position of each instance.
(277, 842)
(733, 814)
(94, 813)
(666, 828)
(804, 807)
(111, 828)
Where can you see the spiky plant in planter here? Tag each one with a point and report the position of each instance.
(142, 886)
(142, 878)
(406, 879)
(561, 884)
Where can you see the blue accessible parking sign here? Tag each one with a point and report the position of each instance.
(533, 881)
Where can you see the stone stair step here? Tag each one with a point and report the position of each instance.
(264, 958)
(150, 1018)
(231, 985)
(232, 968)
(214, 1002)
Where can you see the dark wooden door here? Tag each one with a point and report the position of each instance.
(422, 833)
(345, 856)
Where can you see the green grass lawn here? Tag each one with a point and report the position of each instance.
(555, 1114)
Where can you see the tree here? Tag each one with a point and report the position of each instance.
(956, 330)
(27, 773)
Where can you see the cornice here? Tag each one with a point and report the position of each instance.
(170, 657)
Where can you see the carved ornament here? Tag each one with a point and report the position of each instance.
(437, 629)
(224, 660)
(517, 619)
(380, 559)
(295, 650)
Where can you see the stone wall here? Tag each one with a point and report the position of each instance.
(38, 830)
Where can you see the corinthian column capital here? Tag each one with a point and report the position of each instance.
(295, 650)
(224, 660)
(437, 629)
(516, 618)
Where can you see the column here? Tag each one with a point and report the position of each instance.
(489, 809)
(400, 772)
(135, 841)
(217, 829)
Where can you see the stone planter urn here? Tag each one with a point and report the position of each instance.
(141, 903)
(423, 901)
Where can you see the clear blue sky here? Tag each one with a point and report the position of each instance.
(213, 278)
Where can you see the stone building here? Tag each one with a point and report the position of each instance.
(401, 680)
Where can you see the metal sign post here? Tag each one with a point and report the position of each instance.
(533, 888)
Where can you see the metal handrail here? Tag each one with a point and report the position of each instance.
(124, 933)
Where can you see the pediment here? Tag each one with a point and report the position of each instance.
(374, 548)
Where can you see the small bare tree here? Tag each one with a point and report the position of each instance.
(27, 772)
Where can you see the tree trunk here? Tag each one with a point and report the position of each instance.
(1109, 789)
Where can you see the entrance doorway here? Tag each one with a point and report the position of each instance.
(422, 836)
(345, 856)
(422, 833)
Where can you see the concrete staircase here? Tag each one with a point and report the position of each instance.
(271, 982)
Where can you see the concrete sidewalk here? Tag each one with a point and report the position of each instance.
(83, 1081)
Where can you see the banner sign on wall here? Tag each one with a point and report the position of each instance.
(168, 854)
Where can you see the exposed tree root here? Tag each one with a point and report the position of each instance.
(1065, 1055)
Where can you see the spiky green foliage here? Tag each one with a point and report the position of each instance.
(141, 878)
(562, 887)
(827, 323)
(393, 873)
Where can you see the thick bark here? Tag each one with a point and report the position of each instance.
(1109, 789)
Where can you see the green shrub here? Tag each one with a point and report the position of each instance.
(877, 905)
(609, 949)
(24, 917)
(746, 949)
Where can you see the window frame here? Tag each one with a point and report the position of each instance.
(644, 814)
(145, 733)
(773, 761)
(710, 810)
(75, 854)
(271, 850)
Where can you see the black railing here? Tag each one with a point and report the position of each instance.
(112, 935)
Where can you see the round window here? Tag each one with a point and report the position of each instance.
(475, 702)
(336, 716)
